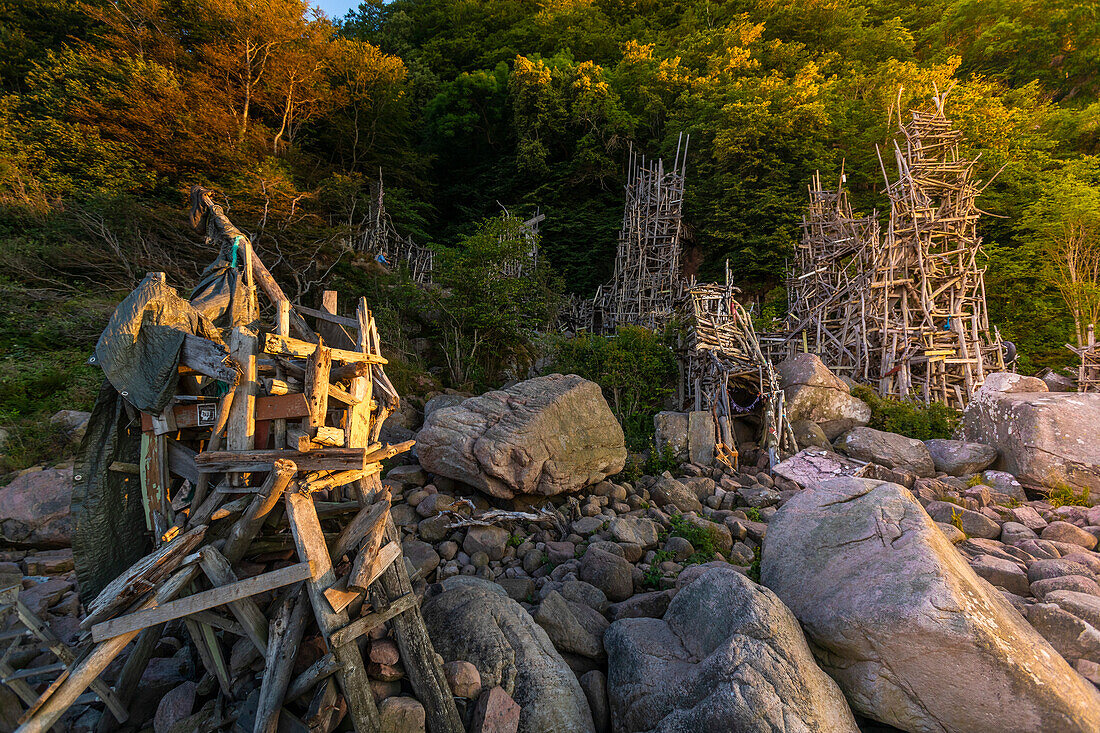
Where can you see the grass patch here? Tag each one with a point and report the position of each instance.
(911, 419)
(703, 539)
(1065, 496)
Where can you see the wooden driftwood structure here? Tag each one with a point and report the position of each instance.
(287, 529)
(827, 288)
(381, 239)
(1088, 371)
(647, 284)
(528, 230)
(931, 334)
(728, 374)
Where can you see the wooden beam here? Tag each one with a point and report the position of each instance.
(365, 522)
(322, 459)
(316, 385)
(241, 429)
(203, 601)
(266, 498)
(282, 649)
(370, 563)
(284, 346)
(310, 541)
(364, 624)
(244, 610)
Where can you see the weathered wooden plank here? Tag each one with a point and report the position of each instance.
(322, 459)
(283, 346)
(286, 406)
(266, 498)
(207, 358)
(364, 624)
(310, 541)
(283, 641)
(241, 429)
(244, 610)
(127, 684)
(370, 563)
(200, 602)
(365, 522)
(324, 667)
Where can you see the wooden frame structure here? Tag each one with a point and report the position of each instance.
(932, 337)
(1088, 372)
(299, 426)
(529, 231)
(725, 362)
(647, 284)
(827, 288)
(381, 239)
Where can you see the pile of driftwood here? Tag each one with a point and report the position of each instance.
(1088, 371)
(287, 532)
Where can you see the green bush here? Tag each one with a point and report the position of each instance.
(636, 370)
(909, 418)
(701, 538)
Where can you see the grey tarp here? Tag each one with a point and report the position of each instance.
(139, 352)
(108, 518)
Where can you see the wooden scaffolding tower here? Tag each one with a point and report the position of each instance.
(827, 287)
(931, 334)
(647, 283)
(728, 374)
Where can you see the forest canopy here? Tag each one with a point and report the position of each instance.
(111, 110)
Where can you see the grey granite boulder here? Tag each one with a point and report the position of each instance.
(727, 656)
(814, 393)
(887, 449)
(544, 436)
(960, 458)
(897, 617)
(474, 620)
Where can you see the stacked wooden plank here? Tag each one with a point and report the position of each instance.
(270, 523)
(1088, 371)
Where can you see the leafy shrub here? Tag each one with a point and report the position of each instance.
(635, 369)
(1065, 496)
(909, 418)
(658, 461)
(754, 566)
(701, 538)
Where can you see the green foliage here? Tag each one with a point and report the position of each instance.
(636, 370)
(753, 514)
(1065, 496)
(754, 566)
(702, 538)
(909, 418)
(657, 461)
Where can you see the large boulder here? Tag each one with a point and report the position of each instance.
(960, 458)
(670, 433)
(544, 436)
(887, 449)
(898, 618)
(814, 393)
(727, 656)
(34, 509)
(474, 620)
(1045, 439)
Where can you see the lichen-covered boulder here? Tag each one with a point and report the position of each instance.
(903, 624)
(727, 656)
(814, 393)
(1044, 439)
(474, 620)
(544, 436)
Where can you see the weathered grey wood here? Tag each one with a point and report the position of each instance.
(306, 528)
(181, 461)
(324, 667)
(322, 459)
(93, 664)
(371, 562)
(244, 610)
(316, 385)
(127, 685)
(268, 496)
(241, 429)
(327, 317)
(141, 576)
(214, 444)
(281, 346)
(207, 358)
(368, 518)
(364, 624)
(417, 653)
(283, 641)
(210, 653)
(134, 622)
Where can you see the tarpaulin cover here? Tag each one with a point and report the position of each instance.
(108, 518)
(139, 352)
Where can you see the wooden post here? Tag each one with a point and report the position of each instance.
(130, 676)
(245, 610)
(241, 428)
(154, 484)
(244, 531)
(316, 386)
(284, 638)
(310, 541)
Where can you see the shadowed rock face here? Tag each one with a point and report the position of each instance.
(1044, 439)
(909, 631)
(544, 436)
(34, 509)
(727, 656)
(474, 620)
